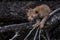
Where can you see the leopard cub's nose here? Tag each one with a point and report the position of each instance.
(30, 18)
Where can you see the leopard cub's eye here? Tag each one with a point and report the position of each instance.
(36, 12)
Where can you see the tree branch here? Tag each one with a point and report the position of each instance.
(16, 27)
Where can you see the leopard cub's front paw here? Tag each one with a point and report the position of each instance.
(35, 25)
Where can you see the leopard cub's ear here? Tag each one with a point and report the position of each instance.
(27, 10)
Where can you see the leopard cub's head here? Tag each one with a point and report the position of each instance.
(31, 14)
